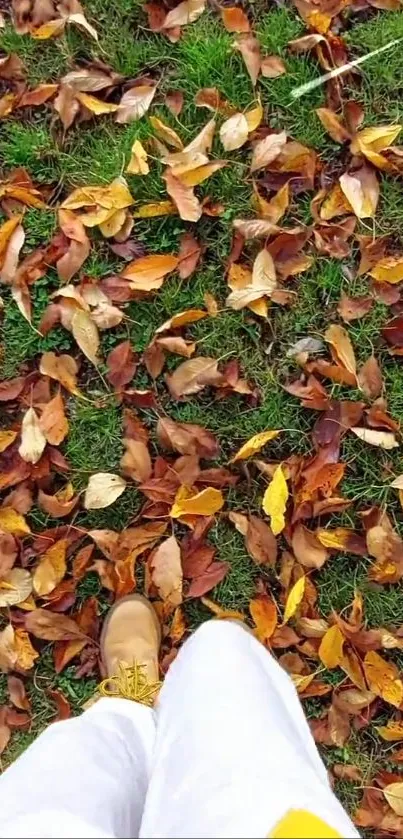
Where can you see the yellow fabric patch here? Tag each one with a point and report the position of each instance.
(299, 824)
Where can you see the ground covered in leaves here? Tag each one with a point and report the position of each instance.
(201, 270)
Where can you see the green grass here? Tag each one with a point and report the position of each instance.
(97, 151)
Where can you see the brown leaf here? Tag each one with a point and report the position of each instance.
(147, 273)
(62, 704)
(136, 461)
(8, 553)
(342, 349)
(260, 542)
(347, 772)
(189, 255)
(57, 505)
(352, 308)
(193, 376)
(51, 626)
(121, 364)
(53, 421)
(249, 47)
(370, 378)
(186, 12)
(17, 693)
(213, 575)
(166, 571)
(234, 19)
(188, 205)
(174, 101)
(186, 438)
(234, 132)
(272, 66)
(78, 249)
(307, 548)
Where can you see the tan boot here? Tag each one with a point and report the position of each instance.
(130, 643)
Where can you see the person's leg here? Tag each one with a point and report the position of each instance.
(234, 753)
(88, 776)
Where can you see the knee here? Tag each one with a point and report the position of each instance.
(217, 633)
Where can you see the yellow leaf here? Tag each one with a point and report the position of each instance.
(154, 209)
(383, 678)
(204, 503)
(294, 599)
(138, 162)
(388, 270)
(254, 445)
(115, 196)
(254, 117)
(166, 133)
(6, 231)
(337, 538)
(394, 796)
(113, 224)
(102, 490)
(49, 30)
(200, 173)
(331, 647)
(234, 132)
(361, 188)
(15, 587)
(275, 500)
(392, 732)
(26, 654)
(342, 347)
(51, 569)
(13, 522)
(6, 438)
(96, 106)
(182, 319)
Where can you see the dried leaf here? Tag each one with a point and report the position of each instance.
(15, 587)
(136, 461)
(275, 500)
(53, 421)
(342, 347)
(51, 569)
(192, 376)
(255, 444)
(204, 503)
(51, 626)
(147, 272)
(309, 551)
(392, 732)
(186, 438)
(249, 47)
(188, 205)
(121, 365)
(138, 162)
(33, 441)
(166, 571)
(361, 188)
(102, 490)
(186, 12)
(85, 332)
(388, 270)
(260, 541)
(331, 647)
(63, 368)
(383, 678)
(272, 66)
(294, 599)
(264, 615)
(234, 132)
(135, 103)
(17, 693)
(234, 19)
(394, 796)
(189, 255)
(381, 439)
(266, 150)
(13, 522)
(370, 378)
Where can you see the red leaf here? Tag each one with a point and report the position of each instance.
(210, 578)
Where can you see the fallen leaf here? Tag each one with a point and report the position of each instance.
(63, 368)
(249, 47)
(189, 255)
(361, 189)
(333, 124)
(186, 438)
(213, 575)
(266, 150)
(331, 647)
(13, 522)
(135, 103)
(174, 101)
(51, 626)
(53, 421)
(192, 376)
(103, 489)
(275, 500)
(381, 439)
(352, 308)
(51, 569)
(186, 12)
(370, 378)
(188, 205)
(147, 272)
(15, 587)
(394, 796)
(234, 132)
(58, 505)
(17, 693)
(388, 270)
(121, 364)
(204, 503)
(383, 678)
(308, 550)
(165, 133)
(136, 461)
(234, 19)
(33, 441)
(342, 347)
(264, 615)
(260, 541)
(272, 66)
(138, 161)
(166, 571)
(392, 732)
(253, 445)
(294, 599)
(85, 332)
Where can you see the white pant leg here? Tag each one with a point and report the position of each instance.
(84, 777)
(233, 749)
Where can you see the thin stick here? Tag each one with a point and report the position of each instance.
(338, 71)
